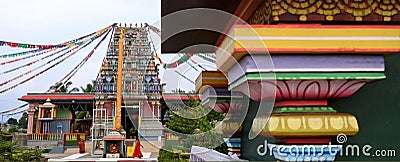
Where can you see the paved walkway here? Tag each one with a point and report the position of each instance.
(149, 151)
(147, 156)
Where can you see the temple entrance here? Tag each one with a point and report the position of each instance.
(79, 116)
(83, 121)
(130, 121)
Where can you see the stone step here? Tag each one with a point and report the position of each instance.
(88, 146)
(156, 127)
(149, 118)
(151, 124)
(71, 151)
(151, 128)
(151, 146)
(154, 124)
(151, 121)
(57, 150)
(151, 132)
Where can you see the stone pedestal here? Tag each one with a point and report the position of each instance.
(114, 145)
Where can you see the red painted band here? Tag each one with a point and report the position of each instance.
(317, 26)
(317, 50)
(301, 103)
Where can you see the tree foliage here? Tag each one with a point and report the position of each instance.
(10, 151)
(178, 90)
(89, 88)
(196, 121)
(13, 129)
(12, 121)
(192, 117)
(60, 87)
(23, 121)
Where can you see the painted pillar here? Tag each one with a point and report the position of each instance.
(119, 84)
(153, 106)
(38, 128)
(31, 116)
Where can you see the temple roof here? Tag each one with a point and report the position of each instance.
(184, 96)
(58, 97)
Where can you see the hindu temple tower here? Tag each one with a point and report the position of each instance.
(128, 98)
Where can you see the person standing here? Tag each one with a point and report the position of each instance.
(137, 153)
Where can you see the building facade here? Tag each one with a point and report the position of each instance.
(58, 116)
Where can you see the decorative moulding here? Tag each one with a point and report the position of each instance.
(210, 78)
(302, 86)
(222, 100)
(306, 125)
(306, 39)
(305, 63)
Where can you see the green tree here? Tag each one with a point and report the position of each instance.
(55, 87)
(10, 151)
(178, 90)
(60, 87)
(12, 121)
(193, 116)
(197, 120)
(23, 121)
(13, 129)
(89, 88)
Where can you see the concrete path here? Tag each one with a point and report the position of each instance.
(74, 156)
(85, 157)
(150, 153)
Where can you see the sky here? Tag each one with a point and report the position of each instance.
(56, 21)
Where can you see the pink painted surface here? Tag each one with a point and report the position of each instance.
(155, 110)
(299, 89)
(30, 122)
(146, 110)
(221, 107)
(232, 108)
(109, 107)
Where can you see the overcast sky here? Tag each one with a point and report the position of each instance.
(56, 21)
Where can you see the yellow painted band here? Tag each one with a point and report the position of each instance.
(313, 44)
(306, 125)
(318, 32)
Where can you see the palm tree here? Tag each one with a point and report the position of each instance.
(178, 90)
(60, 87)
(55, 87)
(89, 88)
